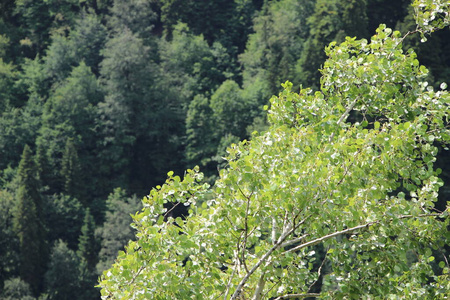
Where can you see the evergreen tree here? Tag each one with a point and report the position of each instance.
(70, 113)
(88, 38)
(116, 232)
(71, 171)
(88, 253)
(87, 242)
(64, 216)
(15, 288)
(132, 118)
(43, 167)
(134, 15)
(29, 224)
(9, 258)
(62, 276)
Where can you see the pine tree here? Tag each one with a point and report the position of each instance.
(88, 249)
(29, 224)
(71, 170)
(43, 167)
(62, 276)
(87, 243)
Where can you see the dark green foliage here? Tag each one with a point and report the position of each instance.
(116, 231)
(331, 21)
(272, 52)
(88, 243)
(70, 115)
(127, 74)
(88, 38)
(135, 15)
(35, 21)
(64, 218)
(62, 277)
(43, 167)
(9, 243)
(87, 252)
(15, 288)
(29, 224)
(223, 21)
(221, 120)
(71, 171)
(114, 93)
(15, 132)
(8, 75)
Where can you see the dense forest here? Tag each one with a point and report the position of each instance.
(100, 99)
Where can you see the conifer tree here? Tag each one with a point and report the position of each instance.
(62, 276)
(43, 168)
(28, 224)
(88, 249)
(87, 243)
(70, 170)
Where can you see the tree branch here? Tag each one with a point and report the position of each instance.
(345, 115)
(326, 237)
(265, 257)
(259, 263)
(259, 288)
(329, 236)
(291, 296)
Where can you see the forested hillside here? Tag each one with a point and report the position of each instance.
(100, 99)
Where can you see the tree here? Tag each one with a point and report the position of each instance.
(29, 224)
(226, 22)
(87, 243)
(64, 216)
(363, 189)
(69, 114)
(116, 232)
(9, 243)
(62, 276)
(272, 51)
(127, 75)
(71, 171)
(331, 21)
(16, 288)
(88, 254)
(135, 15)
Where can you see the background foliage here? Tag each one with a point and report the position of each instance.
(100, 98)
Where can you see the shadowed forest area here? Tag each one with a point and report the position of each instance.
(100, 99)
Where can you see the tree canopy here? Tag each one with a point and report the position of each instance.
(349, 168)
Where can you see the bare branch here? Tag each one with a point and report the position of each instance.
(329, 236)
(296, 240)
(259, 263)
(345, 115)
(326, 237)
(259, 288)
(231, 277)
(291, 296)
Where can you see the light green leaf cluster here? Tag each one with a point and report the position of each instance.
(349, 167)
(431, 14)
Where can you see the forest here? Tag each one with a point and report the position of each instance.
(100, 99)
